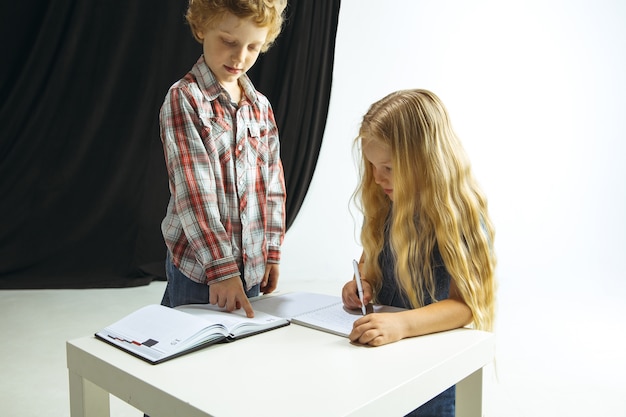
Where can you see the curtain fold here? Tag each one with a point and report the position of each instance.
(83, 186)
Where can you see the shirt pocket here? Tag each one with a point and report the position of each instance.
(217, 137)
(258, 140)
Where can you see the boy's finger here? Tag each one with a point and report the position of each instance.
(247, 307)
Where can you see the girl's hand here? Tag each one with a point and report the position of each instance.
(378, 329)
(350, 294)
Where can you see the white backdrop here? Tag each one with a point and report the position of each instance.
(537, 92)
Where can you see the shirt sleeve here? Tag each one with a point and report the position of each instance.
(276, 195)
(193, 186)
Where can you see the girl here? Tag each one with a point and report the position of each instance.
(427, 236)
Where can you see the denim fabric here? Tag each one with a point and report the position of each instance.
(390, 292)
(182, 290)
(443, 405)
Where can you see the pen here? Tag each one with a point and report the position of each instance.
(359, 285)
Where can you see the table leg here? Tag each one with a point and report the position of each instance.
(87, 399)
(469, 395)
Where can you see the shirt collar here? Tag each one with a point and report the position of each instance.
(212, 87)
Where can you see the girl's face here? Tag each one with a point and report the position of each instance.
(232, 47)
(379, 157)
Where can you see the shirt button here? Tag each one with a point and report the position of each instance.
(240, 147)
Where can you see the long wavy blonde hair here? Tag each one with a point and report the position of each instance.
(436, 203)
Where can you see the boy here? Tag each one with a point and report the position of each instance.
(225, 220)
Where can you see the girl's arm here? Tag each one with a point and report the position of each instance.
(381, 328)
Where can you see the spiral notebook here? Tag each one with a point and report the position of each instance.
(318, 311)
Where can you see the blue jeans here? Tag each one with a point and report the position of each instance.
(443, 405)
(182, 290)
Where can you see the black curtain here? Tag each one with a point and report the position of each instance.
(83, 186)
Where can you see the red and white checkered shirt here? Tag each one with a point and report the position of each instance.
(227, 204)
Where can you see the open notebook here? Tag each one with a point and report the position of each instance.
(318, 311)
(156, 333)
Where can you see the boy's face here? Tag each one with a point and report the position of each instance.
(232, 47)
(379, 157)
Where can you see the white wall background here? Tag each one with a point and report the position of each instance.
(537, 92)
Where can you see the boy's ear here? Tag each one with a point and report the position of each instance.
(199, 31)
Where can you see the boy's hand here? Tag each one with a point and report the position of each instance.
(229, 294)
(270, 279)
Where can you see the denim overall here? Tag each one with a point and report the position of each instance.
(443, 405)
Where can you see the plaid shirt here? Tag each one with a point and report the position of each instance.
(226, 214)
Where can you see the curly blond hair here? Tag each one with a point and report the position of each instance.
(436, 203)
(202, 14)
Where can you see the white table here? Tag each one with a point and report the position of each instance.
(285, 372)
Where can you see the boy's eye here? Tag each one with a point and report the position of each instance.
(229, 43)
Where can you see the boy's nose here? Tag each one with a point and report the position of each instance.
(240, 56)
